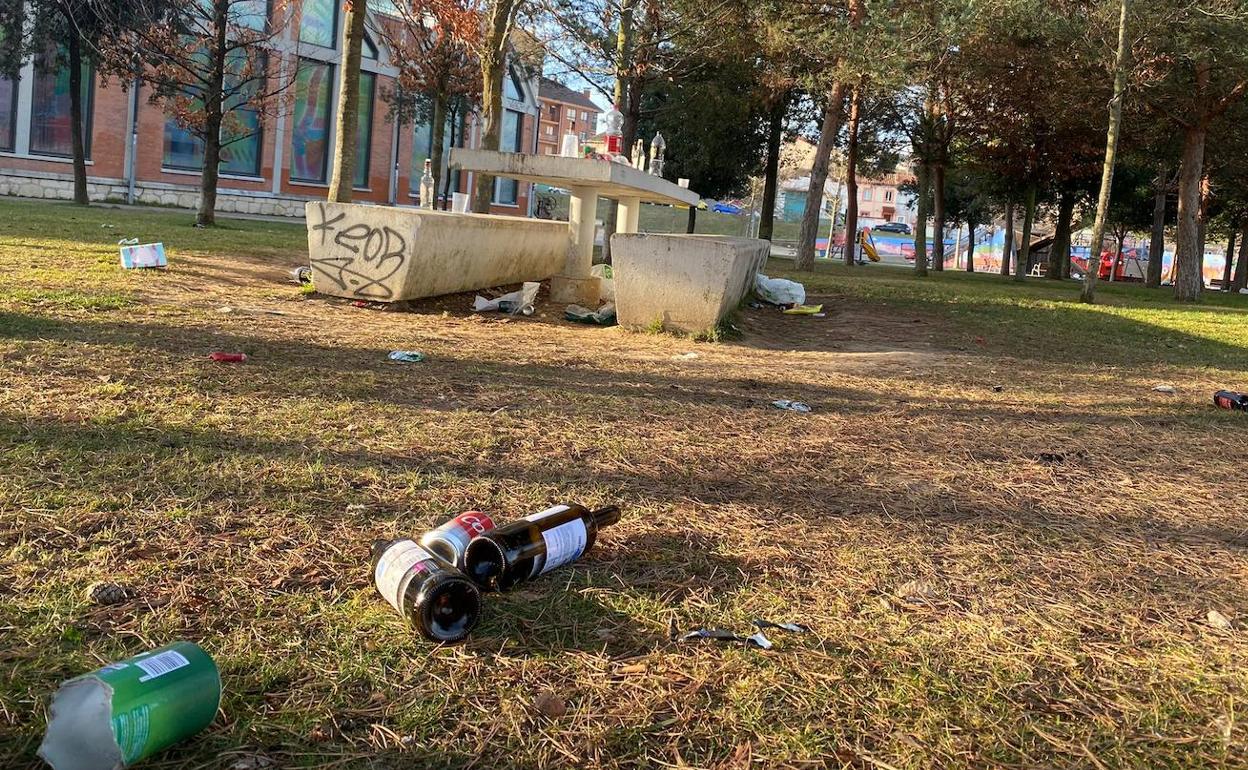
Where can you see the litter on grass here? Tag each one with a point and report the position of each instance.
(119, 714)
(805, 310)
(1165, 389)
(302, 274)
(758, 640)
(797, 628)
(222, 357)
(603, 316)
(791, 406)
(779, 291)
(518, 302)
(135, 255)
(407, 356)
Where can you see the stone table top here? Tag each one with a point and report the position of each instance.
(610, 180)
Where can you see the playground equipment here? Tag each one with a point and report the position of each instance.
(868, 245)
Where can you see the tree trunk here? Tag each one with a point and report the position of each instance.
(446, 183)
(1241, 267)
(1111, 152)
(625, 84)
(920, 219)
(818, 178)
(214, 109)
(851, 179)
(938, 216)
(439, 138)
(1157, 243)
(1188, 254)
(1029, 218)
(771, 174)
(1007, 248)
(1230, 257)
(970, 246)
(342, 179)
(1113, 269)
(1059, 252)
(499, 16)
(75, 118)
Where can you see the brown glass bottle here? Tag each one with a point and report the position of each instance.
(436, 598)
(535, 545)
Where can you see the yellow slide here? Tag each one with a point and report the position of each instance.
(868, 247)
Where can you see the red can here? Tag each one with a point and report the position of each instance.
(227, 358)
(450, 540)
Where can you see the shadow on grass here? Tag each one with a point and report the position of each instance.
(1038, 320)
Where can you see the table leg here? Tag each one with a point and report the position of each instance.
(575, 285)
(628, 213)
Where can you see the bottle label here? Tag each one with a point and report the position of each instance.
(564, 543)
(400, 560)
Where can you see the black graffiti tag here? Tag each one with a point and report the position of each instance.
(382, 249)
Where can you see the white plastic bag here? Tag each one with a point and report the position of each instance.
(606, 282)
(516, 302)
(779, 291)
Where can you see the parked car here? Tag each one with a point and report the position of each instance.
(893, 227)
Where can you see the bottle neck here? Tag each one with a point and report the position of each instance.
(605, 517)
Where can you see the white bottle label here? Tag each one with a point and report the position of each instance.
(401, 559)
(564, 543)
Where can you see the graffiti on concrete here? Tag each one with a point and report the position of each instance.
(358, 257)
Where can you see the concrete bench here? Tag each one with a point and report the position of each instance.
(393, 254)
(687, 283)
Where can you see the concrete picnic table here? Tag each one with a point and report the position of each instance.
(587, 180)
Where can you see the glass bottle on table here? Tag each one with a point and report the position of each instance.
(427, 193)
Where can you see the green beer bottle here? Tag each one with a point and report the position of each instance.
(426, 589)
(534, 545)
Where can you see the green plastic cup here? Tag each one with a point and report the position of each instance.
(111, 718)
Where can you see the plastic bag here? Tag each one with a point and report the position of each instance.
(516, 303)
(779, 291)
(606, 282)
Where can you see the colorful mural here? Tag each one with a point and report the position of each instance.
(310, 134)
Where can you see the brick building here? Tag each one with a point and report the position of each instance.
(564, 111)
(136, 152)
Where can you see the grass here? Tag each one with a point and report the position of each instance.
(1006, 541)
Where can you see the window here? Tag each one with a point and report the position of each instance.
(241, 135)
(309, 140)
(319, 23)
(867, 193)
(422, 147)
(49, 113)
(584, 115)
(8, 113)
(511, 85)
(554, 112)
(507, 191)
(252, 14)
(369, 48)
(550, 130)
(888, 196)
(364, 131)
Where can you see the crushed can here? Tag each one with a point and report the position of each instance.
(450, 540)
(127, 711)
(1229, 399)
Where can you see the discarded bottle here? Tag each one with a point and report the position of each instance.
(426, 589)
(123, 712)
(535, 545)
(227, 358)
(450, 541)
(1229, 399)
(426, 186)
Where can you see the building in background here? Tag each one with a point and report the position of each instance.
(284, 162)
(564, 111)
(879, 200)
